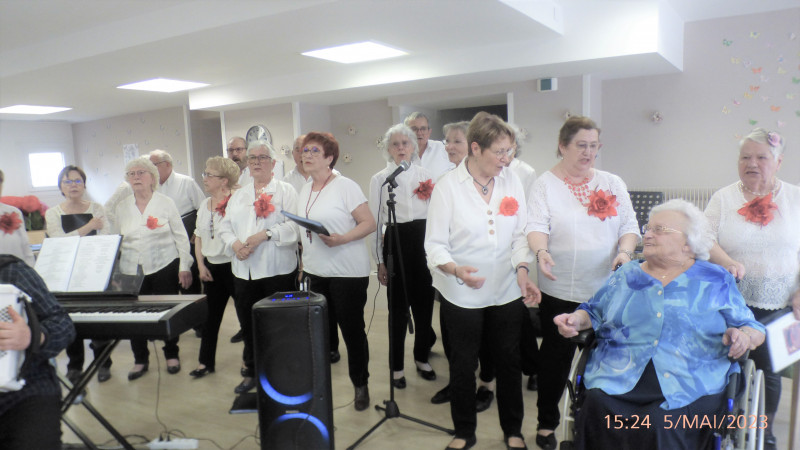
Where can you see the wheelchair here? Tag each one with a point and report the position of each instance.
(744, 402)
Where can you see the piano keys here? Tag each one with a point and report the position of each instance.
(148, 316)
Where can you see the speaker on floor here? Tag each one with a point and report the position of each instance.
(292, 359)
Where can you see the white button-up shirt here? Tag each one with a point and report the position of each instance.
(276, 256)
(434, 159)
(184, 191)
(462, 228)
(526, 175)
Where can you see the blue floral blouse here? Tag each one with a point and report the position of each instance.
(679, 326)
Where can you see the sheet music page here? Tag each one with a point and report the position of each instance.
(93, 263)
(55, 261)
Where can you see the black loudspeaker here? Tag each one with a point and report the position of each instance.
(292, 358)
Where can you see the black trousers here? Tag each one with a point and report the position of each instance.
(347, 297)
(217, 294)
(772, 380)
(165, 282)
(607, 422)
(77, 353)
(33, 423)
(248, 293)
(501, 326)
(418, 287)
(555, 359)
(528, 347)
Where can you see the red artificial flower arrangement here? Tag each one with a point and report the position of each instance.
(602, 204)
(264, 206)
(220, 209)
(32, 210)
(508, 206)
(9, 222)
(425, 189)
(152, 223)
(759, 210)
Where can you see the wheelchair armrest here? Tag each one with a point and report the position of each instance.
(584, 337)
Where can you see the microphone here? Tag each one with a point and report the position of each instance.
(404, 165)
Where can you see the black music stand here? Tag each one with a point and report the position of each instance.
(391, 410)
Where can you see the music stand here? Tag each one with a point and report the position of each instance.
(391, 410)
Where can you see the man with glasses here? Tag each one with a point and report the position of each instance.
(237, 151)
(432, 154)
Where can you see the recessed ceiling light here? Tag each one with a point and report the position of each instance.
(31, 109)
(358, 52)
(163, 85)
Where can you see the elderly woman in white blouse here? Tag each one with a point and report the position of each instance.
(755, 223)
(581, 225)
(213, 256)
(477, 253)
(455, 141)
(154, 242)
(76, 216)
(264, 243)
(413, 192)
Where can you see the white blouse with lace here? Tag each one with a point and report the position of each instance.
(770, 253)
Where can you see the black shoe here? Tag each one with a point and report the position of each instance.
(770, 442)
(237, 337)
(483, 399)
(509, 447)
(399, 383)
(546, 442)
(469, 444)
(172, 370)
(73, 375)
(443, 396)
(335, 357)
(533, 383)
(362, 398)
(200, 373)
(198, 332)
(245, 385)
(429, 375)
(104, 374)
(136, 374)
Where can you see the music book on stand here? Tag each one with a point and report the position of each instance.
(78, 264)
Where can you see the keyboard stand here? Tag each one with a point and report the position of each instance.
(76, 389)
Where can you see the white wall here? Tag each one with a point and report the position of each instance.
(696, 145)
(277, 119)
(98, 145)
(20, 138)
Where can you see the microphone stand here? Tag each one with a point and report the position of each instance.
(391, 410)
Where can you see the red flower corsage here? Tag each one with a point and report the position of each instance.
(9, 222)
(152, 223)
(264, 206)
(602, 204)
(425, 189)
(759, 210)
(508, 206)
(220, 209)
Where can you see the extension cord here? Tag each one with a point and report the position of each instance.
(174, 443)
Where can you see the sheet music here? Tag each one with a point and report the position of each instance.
(93, 263)
(55, 261)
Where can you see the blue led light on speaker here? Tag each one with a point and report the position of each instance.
(323, 431)
(288, 297)
(280, 398)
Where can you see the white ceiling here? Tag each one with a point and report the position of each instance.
(75, 52)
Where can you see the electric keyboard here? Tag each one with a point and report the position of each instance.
(148, 316)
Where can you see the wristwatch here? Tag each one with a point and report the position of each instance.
(269, 234)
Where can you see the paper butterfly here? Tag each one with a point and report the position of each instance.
(795, 80)
(756, 69)
(755, 34)
(775, 108)
(725, 110)
(781, 70)
(747, 63)
(780, 124)
(780, 58)
(790, 96)
(764, 98)
(748, 95)
(735, 60)
(753, 122)
(736, 102)
(754, 88)
(726, 43)
(764, 78)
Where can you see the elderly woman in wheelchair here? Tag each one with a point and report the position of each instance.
(667, 330)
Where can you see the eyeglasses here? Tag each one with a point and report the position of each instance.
(314, 151)
(77, 182)
(258, 158)
(160, 162)
(206, 175)
(595, 146)
(136, 173)
(659, 229)
(236, 149)
(418, 129)
(501, 153)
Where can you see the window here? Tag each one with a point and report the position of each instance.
(44, 169)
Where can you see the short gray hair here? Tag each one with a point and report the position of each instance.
(405, 131)
(517, 139)
(698, 233)
(414, 116)
(145, 163)
(161, 155)
(460, 126)
(771, 139)
(262, 143)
